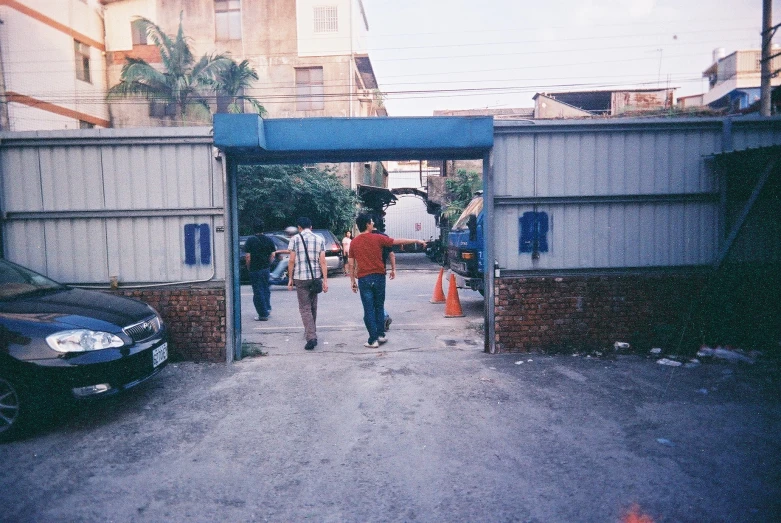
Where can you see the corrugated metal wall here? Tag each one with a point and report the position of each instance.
(635, 193)
(141, 205)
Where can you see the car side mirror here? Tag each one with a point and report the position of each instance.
(471, 224)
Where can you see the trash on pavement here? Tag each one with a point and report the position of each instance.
(519, 363)
(665, 442)
(621, 345)
(725, 353)
(671, 363)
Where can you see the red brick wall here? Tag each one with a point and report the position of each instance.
(194, 315)
(589, 312)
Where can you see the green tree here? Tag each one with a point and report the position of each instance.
(232, 81)
(281, 193)
(461, 188)
(182, 82)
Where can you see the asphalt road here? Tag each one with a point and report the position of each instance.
(429, 428)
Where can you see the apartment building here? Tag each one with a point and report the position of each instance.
(734, 80)
(52, 65)
(310, 55)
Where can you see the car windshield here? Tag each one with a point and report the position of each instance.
(473, 209)
(16, 281)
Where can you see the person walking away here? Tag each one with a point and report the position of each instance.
(387, 255)
(307, 264)
(259, 251)
(367, 275)
(348, 237)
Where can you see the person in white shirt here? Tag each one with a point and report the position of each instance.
(307, 264)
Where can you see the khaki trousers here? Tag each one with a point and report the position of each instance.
(307, 307)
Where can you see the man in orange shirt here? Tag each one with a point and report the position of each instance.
(367, 275)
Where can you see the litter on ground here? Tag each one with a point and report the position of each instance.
(671, 363)
(725, 353)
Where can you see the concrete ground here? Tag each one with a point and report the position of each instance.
(429, 428)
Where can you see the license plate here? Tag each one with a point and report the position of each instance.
(159, 355)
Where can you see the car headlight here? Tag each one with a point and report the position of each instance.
(82, 340)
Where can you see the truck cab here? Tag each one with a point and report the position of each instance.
(466, 250)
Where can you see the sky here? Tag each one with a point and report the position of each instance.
(466, 54)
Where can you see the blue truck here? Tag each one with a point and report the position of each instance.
(465, 246)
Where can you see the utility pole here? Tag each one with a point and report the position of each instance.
(767, 37)
(5, 124)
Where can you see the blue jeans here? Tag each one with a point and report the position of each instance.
(261, 292)
(277, 275)
(372, 290)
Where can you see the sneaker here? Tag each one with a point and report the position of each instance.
(372, 345)
(310, 345)
(261, 318)
(382, 339)
(388, 321)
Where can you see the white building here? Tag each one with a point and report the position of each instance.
(53, 65)
(735, 79)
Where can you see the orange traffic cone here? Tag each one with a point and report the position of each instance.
(453, 304)
(439, 295)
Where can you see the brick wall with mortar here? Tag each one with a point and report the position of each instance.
(194, 315)
(589, 312)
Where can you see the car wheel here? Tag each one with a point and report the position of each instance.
(12, 411)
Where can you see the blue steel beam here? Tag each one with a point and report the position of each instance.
(249, 139)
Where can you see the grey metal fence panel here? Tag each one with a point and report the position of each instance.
(22, 190)
(28, 241)
(599, 162)
(615, 194)
(612, 236)
(144, 206)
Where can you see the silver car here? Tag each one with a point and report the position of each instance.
(333, 249)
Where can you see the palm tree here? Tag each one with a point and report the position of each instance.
(232, 81)
(182, 81)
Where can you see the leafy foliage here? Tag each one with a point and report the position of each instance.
(279, 194)
(461, 188)
(233, 80)
(183, 81)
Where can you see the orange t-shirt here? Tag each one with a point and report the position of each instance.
(366, 250)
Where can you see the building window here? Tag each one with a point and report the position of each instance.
(227, 15)
(82, 61)
(309, 89)
(139, 34)
(326, 19)
(86, 125)
(161, 109)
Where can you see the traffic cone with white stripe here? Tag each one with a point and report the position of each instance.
(439, 295)
(453, 304)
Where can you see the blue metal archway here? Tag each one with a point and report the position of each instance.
(246, 139)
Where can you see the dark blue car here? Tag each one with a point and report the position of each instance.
(59, 343)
